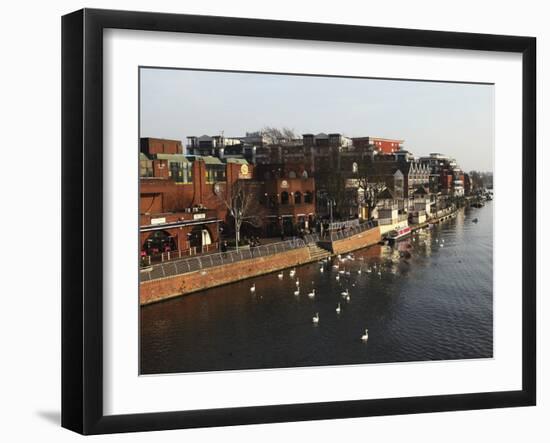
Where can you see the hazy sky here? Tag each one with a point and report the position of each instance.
(455, 119)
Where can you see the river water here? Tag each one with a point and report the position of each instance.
(428, 297)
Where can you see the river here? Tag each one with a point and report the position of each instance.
(428, 297)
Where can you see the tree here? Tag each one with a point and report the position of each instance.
(242, 205)
(275, 135)
(368, 193)
(332, 190)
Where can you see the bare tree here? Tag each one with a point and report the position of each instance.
(242, 205)
(275, 135)
(368, 193)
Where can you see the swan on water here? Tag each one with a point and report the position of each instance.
(312, 293)
(337, 277)
(345, 293)
(297, 291)
(365, 336)
(253, 288)
(315, 318)
(280, 275)
(338, 309)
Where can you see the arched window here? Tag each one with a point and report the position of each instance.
(284, 198)
(308, 197)
(291, 174)
(297, 198)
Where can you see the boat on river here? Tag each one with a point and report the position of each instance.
(398, 233)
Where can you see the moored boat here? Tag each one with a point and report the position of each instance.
(398, 233)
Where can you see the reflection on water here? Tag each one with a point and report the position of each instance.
(428, 297)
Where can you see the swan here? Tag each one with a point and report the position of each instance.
(297, 291)
(359, 271)
(253, 288)
(337, 277)
(365, 336)
(292, 272)
(335, 266)
(297, 282)
(338, 309)
(322, 269)
(348, 298)
(342, 271)
(316, 318)
(348, 273)
(312, 293)
(280, 275)
(345, 293)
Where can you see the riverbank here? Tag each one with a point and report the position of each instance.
(153, 291)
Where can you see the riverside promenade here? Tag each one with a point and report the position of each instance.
(172, 279)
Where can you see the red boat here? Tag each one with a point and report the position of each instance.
(398, 233)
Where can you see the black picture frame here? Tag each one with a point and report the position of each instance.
(82, 218)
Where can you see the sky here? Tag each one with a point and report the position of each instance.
(451, 118)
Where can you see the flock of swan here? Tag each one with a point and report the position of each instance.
(340, 270)
(346, 295)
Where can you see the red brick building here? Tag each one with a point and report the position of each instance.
(181, 197)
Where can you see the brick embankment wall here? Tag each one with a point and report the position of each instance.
(357, 241)
(162, 289)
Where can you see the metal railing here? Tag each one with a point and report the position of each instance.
(344, 224)
(311, 238)
(202, 262)
(178, 254)
(348, 232)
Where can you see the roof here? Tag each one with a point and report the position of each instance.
(241, 161)
(176, 158)
(420, 191)
(209, 160)
(386, 194)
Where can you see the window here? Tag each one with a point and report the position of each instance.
(145, 168)
(284, 198)
(308, 197)
(291, 174)
(215, 173)
(180, 172)
(297, 198)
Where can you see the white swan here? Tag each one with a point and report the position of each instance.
(292, 272)
(315, 318)
(365, 336)
(359, 271)
(335, 266)
(322, 269)
(337, 277)
(297, 291)
(312, 293)
(297, 282)
(253, 288)
(280, 275)
(345, 293)
(338, 309)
